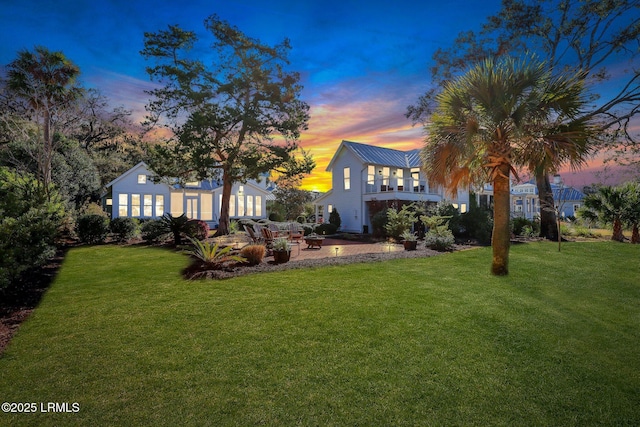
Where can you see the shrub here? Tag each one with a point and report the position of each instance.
(446, 209)
(153, 230)
(326, 228)
(519, 224)
(176, 225)
(93, 209)
(212, 254)
(199, 229)
(334, 218)
(93, 228)
(399, 221)
(528, 231)
(378, 223)
(124, 228)
(253, 253)
(29, 225)
(439, 237)
(477, 222)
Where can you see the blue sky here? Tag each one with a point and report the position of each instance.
(362, 62)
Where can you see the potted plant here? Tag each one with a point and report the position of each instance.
(410, 241)
(281, 250)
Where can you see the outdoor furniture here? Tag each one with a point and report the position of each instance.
(274, 229)
(268, 237)
(296, 232)
(252, 235)
(313, 241)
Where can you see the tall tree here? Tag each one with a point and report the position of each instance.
(571, 35)
(225, 116)
(45, 83)
(500, 115)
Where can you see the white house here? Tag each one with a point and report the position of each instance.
(525, 201)
(134, 194)
(364, 175)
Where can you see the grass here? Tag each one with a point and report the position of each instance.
(435, 341)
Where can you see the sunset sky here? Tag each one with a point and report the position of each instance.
(362, 62)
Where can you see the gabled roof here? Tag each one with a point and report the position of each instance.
(141, 164)
(566, 193)
(370, 154)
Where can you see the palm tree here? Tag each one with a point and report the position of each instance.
(46, 81)
(608, 205)
(631, 213)
(501, 115)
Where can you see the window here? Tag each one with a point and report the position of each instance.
(371, 174)
(258, 205)
(400, 176)
(159, 205)
(123, 205)
(240, 205)
(142, 179)
(148, 205)
(347, 179)
(385, 177)
(329, 208)
(249, 205)
(135, 205)
(463, 208)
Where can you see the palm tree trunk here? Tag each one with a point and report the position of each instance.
(617, 231)
(501, 214)
(548, 225)
(635, 235)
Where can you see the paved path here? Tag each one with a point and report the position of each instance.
(335, 247)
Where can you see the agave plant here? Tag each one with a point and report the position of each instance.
(212, 254)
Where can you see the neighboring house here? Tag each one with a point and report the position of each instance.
(525, 201)
(567, 199)
(366, 176)
(134, 194)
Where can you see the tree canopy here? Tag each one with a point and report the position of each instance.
(234, 117)
(576, 36)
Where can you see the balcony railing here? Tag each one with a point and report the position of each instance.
(408, 185)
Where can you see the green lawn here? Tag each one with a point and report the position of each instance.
(435, 341)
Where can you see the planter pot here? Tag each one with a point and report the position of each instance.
(281, 256)
(410, 245)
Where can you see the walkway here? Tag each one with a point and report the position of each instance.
(336, 247)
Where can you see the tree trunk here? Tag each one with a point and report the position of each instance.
(548, 224)
(617, 231)
(501, 214)
(635, 235)
(227, 186)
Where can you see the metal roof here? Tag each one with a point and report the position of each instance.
(371, 154)
(566, 193)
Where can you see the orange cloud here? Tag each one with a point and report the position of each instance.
(378, 122)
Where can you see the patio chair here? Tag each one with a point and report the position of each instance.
(252, 235)
(296, 232)
(268, 237)
(274, 229)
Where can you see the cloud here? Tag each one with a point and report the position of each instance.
(123, 90)
(369, 110)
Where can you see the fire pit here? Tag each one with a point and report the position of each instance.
(313, 241)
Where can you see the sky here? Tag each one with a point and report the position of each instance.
(361, 62)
